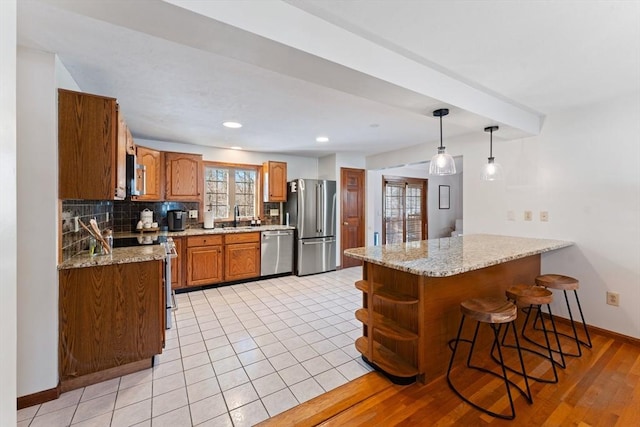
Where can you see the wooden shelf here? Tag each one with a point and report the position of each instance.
(362, 285)
(394, 297)
(386, 359)
(386, 327)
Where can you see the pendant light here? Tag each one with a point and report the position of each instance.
(492, 171)
(442, 163)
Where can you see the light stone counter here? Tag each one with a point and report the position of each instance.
(119, 256)
(204, 231)
(455, 255)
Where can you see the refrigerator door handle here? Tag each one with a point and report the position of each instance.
(318, 208)
(323, 242)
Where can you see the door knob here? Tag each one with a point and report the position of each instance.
(345, 223)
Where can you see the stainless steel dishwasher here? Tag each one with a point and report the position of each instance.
(276, 252)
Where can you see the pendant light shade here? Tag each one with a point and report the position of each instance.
(442, 163)
(492, 171)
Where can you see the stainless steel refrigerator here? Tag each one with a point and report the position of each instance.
(311, 205)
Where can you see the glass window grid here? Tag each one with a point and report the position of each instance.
(218, 198)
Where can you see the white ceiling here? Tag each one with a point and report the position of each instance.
(366, 73)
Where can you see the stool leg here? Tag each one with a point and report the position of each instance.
(562, 362)
(504, 377)
(573, 324)
(524, 372)
(584, 324)
(546, 340)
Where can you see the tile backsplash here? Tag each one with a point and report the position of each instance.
(123, 216)
(74, 242)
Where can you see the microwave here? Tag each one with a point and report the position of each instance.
(136, 177)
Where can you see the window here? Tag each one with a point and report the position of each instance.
(405, 210)
(227, 186)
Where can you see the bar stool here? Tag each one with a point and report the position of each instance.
(494, 312)
(566, 283)
(528, 298)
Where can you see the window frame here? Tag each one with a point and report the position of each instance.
(233, 167)
(405, 181)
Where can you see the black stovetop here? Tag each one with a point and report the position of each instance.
(141, 240)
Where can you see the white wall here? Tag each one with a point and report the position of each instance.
(440, 221)
(37, 183)
(8, 235)
(329, 168)
(584, 169)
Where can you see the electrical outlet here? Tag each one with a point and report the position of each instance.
(106, 217)
(193, 214)
(511, 216)
(613, 298)
(528, 216)
(544, 216)
(75, 224)
(274, 212)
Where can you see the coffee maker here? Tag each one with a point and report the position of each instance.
(177, 220)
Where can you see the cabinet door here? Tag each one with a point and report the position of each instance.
(87, 134)
(176, 265)
(204, 265)
(154, 182)
(184, 179)
(275, 181)
(109, 316)
(242, 261)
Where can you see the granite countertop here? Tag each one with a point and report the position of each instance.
(119, 256)
(454, 255)
(205, 231)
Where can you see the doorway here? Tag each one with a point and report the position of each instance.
(352, 190)
(404, 205)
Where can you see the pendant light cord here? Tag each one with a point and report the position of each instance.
(491, 143)
(441, 133)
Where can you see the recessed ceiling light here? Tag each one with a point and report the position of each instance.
(322, 139)
(235, 147)
(232, 125)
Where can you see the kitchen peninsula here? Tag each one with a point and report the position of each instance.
(412, 291)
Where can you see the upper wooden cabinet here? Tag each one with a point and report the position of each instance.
(275, 181)
(184, 179)
(91, 149)
(153, 160)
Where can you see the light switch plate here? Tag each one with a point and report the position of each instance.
(274, 212)
(528, 216)
(544, 216)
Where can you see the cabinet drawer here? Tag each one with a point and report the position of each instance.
(242, 238)
(203, 241)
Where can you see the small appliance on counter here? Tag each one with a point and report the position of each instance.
(208, 219)
(177, 220)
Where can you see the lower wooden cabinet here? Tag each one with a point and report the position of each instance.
(204, 260)
(211, 259)
(110, 316)
(242, 256)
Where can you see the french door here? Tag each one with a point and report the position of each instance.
(404, 209)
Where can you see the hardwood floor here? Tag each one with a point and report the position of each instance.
(601, 388)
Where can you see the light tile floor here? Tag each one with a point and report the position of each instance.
(236, 355)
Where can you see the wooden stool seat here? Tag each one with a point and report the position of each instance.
(558, 281)
(525, 295)
(564, 284)
(489, 310)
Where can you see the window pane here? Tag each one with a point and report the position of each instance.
(216, 197)
(245, 196)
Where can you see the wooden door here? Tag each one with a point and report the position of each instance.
(87, 136)
(152, 160)
(204, 265)
(352, 186)
(275, 181)
(183, 176)
(242, 261)
(404, 209)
